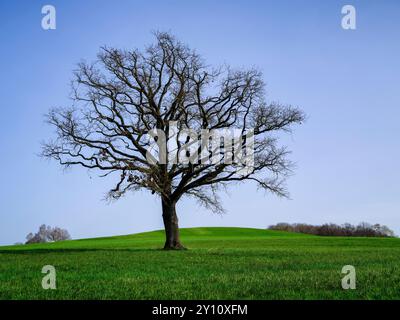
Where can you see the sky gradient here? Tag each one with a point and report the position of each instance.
(347, 82)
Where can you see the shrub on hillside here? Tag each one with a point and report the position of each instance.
(330, 229)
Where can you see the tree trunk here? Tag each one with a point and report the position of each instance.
(172, 240)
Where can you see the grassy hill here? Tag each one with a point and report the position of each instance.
(222, 263)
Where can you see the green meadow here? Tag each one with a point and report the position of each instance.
(221, 263)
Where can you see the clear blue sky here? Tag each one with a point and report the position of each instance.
(348, 83)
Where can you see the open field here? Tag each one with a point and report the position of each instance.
(222, 263)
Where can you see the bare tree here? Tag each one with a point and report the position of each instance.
(124, 95)
(58, 234)
(47, 234)
(38, 237)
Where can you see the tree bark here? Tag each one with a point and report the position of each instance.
(172, 239)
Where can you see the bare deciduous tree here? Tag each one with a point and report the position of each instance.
(125, 94)
(48, 234)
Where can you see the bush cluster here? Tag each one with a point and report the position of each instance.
(47, 234)
(330, 229)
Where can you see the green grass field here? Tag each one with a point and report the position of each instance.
(221, 263)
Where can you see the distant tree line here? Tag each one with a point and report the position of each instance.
(47, 234)
(330, 229)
